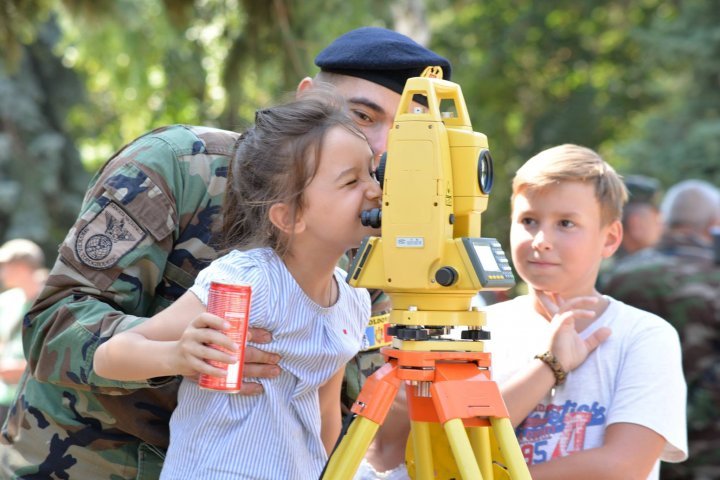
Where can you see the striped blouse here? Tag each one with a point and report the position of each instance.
(276, 435)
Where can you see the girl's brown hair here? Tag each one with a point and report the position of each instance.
(273, 163)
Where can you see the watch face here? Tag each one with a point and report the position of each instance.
(485, 171)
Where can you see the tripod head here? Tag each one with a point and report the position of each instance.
(436, 178)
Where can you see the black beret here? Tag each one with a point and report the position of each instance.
(381, 56)
(642, 189)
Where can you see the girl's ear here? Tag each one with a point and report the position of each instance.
(613, 238)
(281, 216)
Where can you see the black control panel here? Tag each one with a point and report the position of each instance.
(490, 263)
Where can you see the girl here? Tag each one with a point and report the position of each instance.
(298, 182)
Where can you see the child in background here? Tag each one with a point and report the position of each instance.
(298, 182)
(595, 385)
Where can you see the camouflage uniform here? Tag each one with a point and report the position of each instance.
(679, 281)
(146, 228)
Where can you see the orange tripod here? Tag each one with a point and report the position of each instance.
(450, 388)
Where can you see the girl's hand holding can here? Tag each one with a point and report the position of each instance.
(195, 347)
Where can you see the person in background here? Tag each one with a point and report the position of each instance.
(641, 221)
(148, 225)
(679, 280)
(594, 386)
(22, 274)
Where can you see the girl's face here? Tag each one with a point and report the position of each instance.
(342, 188)
(558, 239)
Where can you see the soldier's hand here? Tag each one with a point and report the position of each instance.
(566, 345)
(258, 363)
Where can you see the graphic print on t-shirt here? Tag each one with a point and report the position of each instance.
(552, 431)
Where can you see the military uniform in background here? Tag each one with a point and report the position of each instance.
(146, 228)
(680, 281)
(643, 192)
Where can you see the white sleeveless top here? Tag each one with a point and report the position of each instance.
(275, 435)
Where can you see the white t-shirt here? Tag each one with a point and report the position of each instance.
(635, 376)
(276, 435)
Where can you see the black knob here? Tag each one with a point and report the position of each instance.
(446, 276)
(475, 335)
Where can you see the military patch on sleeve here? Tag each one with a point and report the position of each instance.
(107, 238)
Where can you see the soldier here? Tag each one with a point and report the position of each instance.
(146, 228)
(679, 281)
(641, 221)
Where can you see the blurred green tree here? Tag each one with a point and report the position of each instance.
(635, 80)
(679, 137)
(537, 74)
(41, 176)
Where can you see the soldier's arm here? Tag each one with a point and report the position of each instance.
(109, 266)
(142, 235)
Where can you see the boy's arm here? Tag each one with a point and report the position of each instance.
(629, 452)
(525, 389)
(330, 410)
(173, 342)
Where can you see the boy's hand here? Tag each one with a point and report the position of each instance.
(565, 342)
(206, 329)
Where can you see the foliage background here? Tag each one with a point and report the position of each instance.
(636, 80)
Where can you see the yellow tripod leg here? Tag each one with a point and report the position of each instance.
(422, 448)
(346, 459)
(462, 450)
(480, 441)
(510, 448)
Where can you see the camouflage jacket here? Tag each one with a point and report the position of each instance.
(146, 228)
(680, 282)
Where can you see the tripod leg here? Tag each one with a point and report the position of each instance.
(346, 459)
(480, 441)
(462, 450)
(510, 448)
(371, 407)
(422, 449)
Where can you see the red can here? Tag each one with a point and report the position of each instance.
(231, 302)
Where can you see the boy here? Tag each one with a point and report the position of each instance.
(615, 401)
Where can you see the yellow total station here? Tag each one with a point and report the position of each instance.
(431, 260)
(436, 176)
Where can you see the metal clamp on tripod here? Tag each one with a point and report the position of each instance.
(431, 261)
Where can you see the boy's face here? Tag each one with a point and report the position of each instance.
(557, 239)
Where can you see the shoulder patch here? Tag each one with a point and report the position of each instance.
(107, 238)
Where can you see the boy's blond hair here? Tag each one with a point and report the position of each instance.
(574, 163)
